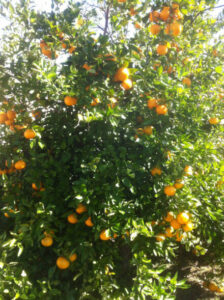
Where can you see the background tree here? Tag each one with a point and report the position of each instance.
(111, 148)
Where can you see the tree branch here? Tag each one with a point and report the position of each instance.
(200, 12)
(106, 20)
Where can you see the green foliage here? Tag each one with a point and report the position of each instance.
(99, 156)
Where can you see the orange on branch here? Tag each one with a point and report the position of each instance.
(162, 49)
(47, 241)
(152, 103)
(188, 227)
(148, 130)
(29, 134)
(187, 81)
(81, 209)
(169, 217)
(155, 29)
(183, 218)
(168, 232)
(19, 165)
(89, 222)
(11, 114)
(170, 190)
(154, 16)
(161, 237)
(214, 121)
(156, 171)
(72, 219)
(73, 257)
(104, 235)
(165, 13)
(122, 74)
(69, 101)
(175, 224)
(62, 263)
(161, 109)
(3, 117)
(127, 84)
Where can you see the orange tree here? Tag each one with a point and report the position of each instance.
(111, 148)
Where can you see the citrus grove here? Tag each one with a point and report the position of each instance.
(111, 161)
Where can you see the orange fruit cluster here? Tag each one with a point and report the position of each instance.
(161, 109)
(73, 219)
(213, 287)
(46, 50)
(122, 75)
(178, 226)
(8, 118)
(65, 43)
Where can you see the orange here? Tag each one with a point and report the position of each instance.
(165, 13)
(19, 127)
(188, 227)
(156, 171)
(132, 11)
(110, 57)
(177, 15)
(64, 46)
(169, 232)
(61, 35)
(69, 101)
(170, 190)
(155, 29)
(47, 52)
(187, 81)
(161, 109)
(20, 164)
(215, 52)
(179, 184)
(175, 224)
(72, 219)
(29, 134)
(154, 16)
(121, 1)
(148, 130)
(176, 28)
(212, 287)
(162, 49)
(89, 222)
(11, 114)
(213, 121)
(179, 236)
(47, 241)
(85, 66)
(71, 49)
(42, 44)
(3, 117)
(188, 170)
(138, 26)
(73, 257)
(152, 103)
(156, 65)
(81, 209)
(34, 187)
(62, 263)
(167, 29)
(169, 217)
(104, 236)
(49, 233)
(122, 74)
(169, 70)
(183, 218)
(161, 237)
(9, 122)
(95, 102)
(127, 84)
(87, 88)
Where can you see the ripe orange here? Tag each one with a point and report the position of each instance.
(165, 13)
(3, 117)
(187, 81)
(132, 11)
(95, 102)
(175, 224)
(179, 184)
(47, 241)
(127, 84)
(169, 232)
(170, 190)
(9, 122)
(42, 44)
(64, 45)
(72, 219)
(161, 109)
(47, 52)
(177, 15)
(121, 1)
(213, 121)
(29, 134)
(148, 130)
(154, 16)
(156, 171)
(179, 236)
(73, 257)
(71, 49)
(11, 114)
(62, 263)
(70, 100)
(89, 222)
(212, 287)
(188, 227)
(167, 29)
(34, 187)
(138, 26)
(152, 103)
(85, 66)
(161, 237)
(122, 74)
(81, 209)
(169, 217)
(155, 29)
(104, 236)
(188, 170)
(20, 164)
(176, 28)
(183, 218)
(162, 49)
